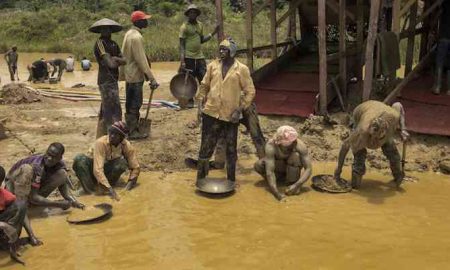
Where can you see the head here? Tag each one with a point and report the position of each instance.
(54, 154)
(14, 48)
(105, 32)
(192, 12)
(117, 133)
(227, 49)
(378, 127)
(2, 175)
(285, 136)
(84, 58)
(140, 19)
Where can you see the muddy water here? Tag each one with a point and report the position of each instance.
(163, 224)
(164, 71)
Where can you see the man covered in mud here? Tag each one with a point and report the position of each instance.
(135, 72)
(11, 58)
(12, 217)
(286, 156)
(191, 40)
(112, 155)
(58, 65)
(38, 71)
(374, 125)
(34, 178)
(225, 92)
(109, 57)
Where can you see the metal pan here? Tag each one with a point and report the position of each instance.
(215, 186)
(183, 86)
(94, 216)
(327, 183)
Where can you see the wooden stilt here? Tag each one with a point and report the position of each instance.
(396, 17)
(273, 28)
(322, 57)
(292, 21)
(411, 38)
(359, 39)
(249, 32)
(342, 47)
(219, 18)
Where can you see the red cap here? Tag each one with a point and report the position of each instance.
(139, 15)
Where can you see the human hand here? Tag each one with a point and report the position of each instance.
(131, 184)
(279, 196)
(113, 194)
(154, 84)
(34, 241)
(235, 116)
(78, 205)
(182, 66)
(405, 135)
(292, 190)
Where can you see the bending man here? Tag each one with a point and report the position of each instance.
(374, 125)
(286, 156)
(58, 65)
(113, 154)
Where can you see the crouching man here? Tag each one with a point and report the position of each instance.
(286, 156)
(34, 178)
(112, 156)
(374, 125)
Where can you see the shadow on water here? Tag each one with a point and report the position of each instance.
(376, 191)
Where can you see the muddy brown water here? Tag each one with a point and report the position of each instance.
(164, 224)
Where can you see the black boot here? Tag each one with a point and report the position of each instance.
(132, 123)
(356, 180)
(438, 82)
(202, 168)
(231, 172)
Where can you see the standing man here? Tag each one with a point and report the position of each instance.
(191, 40)
(11, 58)
(109, 58)
(374, 125)
(112, 155)
(70, 64)
(58, 64)
(443, 49)
(228, 90)
(135, 71)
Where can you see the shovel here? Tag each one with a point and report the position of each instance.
(145, 123)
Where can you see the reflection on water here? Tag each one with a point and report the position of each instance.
(163, 224)
(164, 71)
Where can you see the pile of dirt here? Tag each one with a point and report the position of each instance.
(2, 132)
(18, 94)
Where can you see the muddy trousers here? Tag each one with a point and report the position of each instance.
(389, 150)
(12, 71)
(251, 122)
(110, 109)
(134, 100)
(212, 130)
(14, 215)
(83, 166)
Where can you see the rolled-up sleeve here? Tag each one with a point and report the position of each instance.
(141, 58)
(248, 88)
(99, 162)
(130, 155)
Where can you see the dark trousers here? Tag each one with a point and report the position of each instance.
(14, 215)
(442, 52)
(12, 71)
(134, 98)
(198, 67)
(212, 130)
(110, 109)
(83, 166)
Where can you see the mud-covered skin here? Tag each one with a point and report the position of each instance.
(285, 163)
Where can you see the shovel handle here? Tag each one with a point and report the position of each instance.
(149, 103)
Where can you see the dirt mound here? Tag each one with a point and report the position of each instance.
(18, 94)
(2, 132)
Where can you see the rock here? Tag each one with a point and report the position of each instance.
(444, 166)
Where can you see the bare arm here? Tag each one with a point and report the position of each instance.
(34, 241)
(402, 123)
(341, 158)
(66, 194)
(209, 36)
(37, 199)
(270, 172)
(307, 165)
(182, 49)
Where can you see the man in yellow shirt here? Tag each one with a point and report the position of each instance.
(191, 40)
(226, 91)
(112, 155)
(135, 71)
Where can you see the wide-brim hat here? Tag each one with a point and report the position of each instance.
(98, 25)
(192, 7)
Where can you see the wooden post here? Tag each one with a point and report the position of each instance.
(219, 18)
(396, 17)
(371, 38)
(411, 38)
(425, 35)
(273, 28)
(292, 21)
(249, 32)
(342, 47)
(322, 57)
(359, 38)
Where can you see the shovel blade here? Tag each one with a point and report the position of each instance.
(145, 127)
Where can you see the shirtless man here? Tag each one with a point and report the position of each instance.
(286, 156)
(374, 125)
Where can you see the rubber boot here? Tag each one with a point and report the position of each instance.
(448, 82)
(356, 180)
(438, 82)
(132, 123)
(202, 168)
(231, 172)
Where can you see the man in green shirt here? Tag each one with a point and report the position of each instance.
(191, 40)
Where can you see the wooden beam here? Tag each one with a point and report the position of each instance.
(371, 38)
(219, 18)
(407, 7)
(261, 8)
(396, 16)
(429, 11)
(425, 34)
(273, 28)
(334, 5)
(342, 47)
(293, 21)
(292, 8)
(423, 63)
(322, 57)
(249, 33)
(411, 38)
(265, 47)
(359, 38)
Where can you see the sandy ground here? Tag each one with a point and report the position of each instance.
(172, 138)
